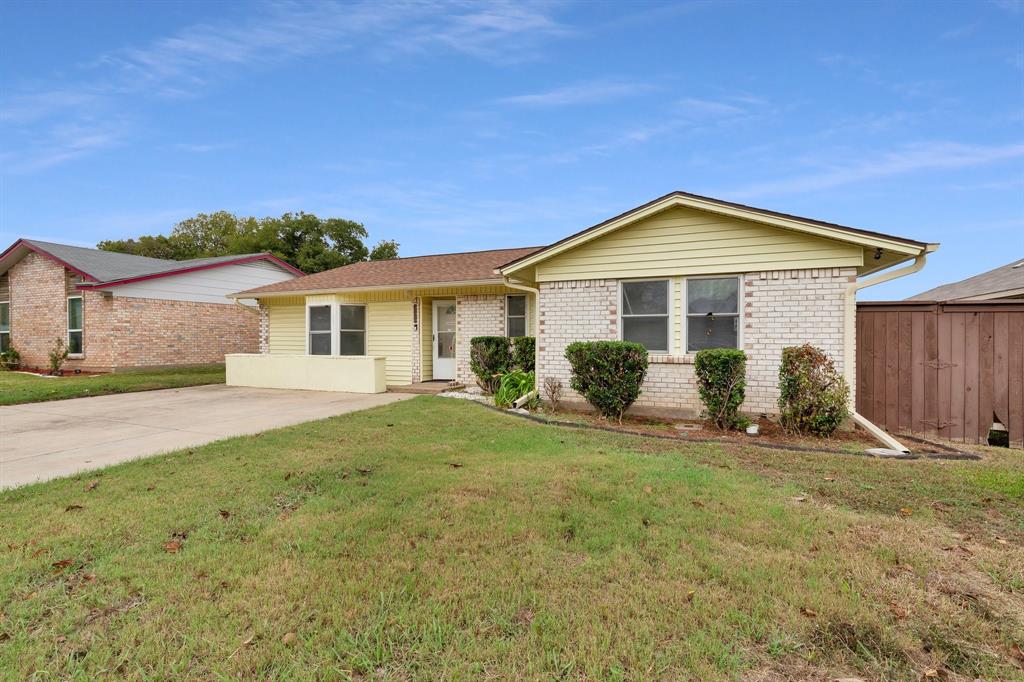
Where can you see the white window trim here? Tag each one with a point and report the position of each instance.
(336, 328)
(525, 315)
(8, 332)
(67, 325)
(334, 325)
(686, 316)
(670, 315)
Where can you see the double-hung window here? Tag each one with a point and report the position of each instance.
(319, 329)
(712, 313)
(515, 316)
(645, 314)
(75, 325)
(5, 326)
(352, 330)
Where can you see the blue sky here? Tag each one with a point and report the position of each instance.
(460, 125)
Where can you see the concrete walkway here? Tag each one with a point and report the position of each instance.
(40, 441)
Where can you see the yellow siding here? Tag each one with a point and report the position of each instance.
(389, 333)
(427, 339)
(685, 241)
(287, 332)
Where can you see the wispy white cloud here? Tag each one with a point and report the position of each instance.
(910, 159)
(962, 31)
(188, 62)
(62, 143)
(579, 93)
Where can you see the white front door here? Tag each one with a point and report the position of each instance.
(444, 340)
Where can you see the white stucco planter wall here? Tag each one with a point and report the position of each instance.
(349, 374)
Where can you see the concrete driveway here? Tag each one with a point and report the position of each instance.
(41, 441)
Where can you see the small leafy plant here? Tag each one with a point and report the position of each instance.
(10, 358)
(721, 384)
(58, 356)
(814, 397)
(608, 374)
(513, 386)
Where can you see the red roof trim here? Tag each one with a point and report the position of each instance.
(195, 268)
(41, 252)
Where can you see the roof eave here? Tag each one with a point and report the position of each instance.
(255, 293)
(22, 242)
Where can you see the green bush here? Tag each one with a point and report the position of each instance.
(10, 358)
(489, 358)
(814, 398)
(512, 386)
(58, 356)
(721, 384)
(524, 352)
(607, 373)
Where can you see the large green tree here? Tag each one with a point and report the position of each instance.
(308, 242)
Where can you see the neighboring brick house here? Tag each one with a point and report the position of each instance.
(678, 274)
(117, 311)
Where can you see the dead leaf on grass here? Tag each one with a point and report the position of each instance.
(456, 465)
(289, 639)
(62, 564)
(1002, 541)
(72, 507)
(697, 503)
(172, 546)
(1018, 654)
(224, 513)
(810, 613)
(648, 489)
(898, 611)
(690, 595)
(906, 511)
(830, 479)
(365, 472)
(39, 552)
(92, 485)
(799, 498)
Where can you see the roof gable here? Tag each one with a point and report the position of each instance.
(106, 268)
(1006, 280)
(863, 238)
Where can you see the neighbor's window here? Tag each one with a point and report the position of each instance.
(515, 316)
(75, 325)
(712, 313)
(645, 314)
(5, 326)
(352, 329)
(319, 329)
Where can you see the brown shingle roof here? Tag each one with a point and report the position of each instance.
(473, 266)
(1009, 277)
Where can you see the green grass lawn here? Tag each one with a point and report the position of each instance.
(435, 539)
(16, 387)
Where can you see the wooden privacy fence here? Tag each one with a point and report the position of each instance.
(942, 369)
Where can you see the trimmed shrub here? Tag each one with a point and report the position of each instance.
(512, 386)
(814, 398)
(721, 384)
(10, 358)
(489, 358)
(523, 352)
(607, 373)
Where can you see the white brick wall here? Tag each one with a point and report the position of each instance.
(780, 308)
(478, 315)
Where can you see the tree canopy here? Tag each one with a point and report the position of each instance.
(310, 243)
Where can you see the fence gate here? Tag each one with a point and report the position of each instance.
(942, 369)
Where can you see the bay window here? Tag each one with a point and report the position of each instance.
(645, 314)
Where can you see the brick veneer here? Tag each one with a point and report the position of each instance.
(121, 333)
(477, 315)
(780, 308)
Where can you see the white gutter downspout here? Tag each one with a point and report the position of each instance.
(536, 332)
(850, 341)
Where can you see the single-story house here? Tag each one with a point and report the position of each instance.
(1005, 283)
(117, 311)
(678, 274)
